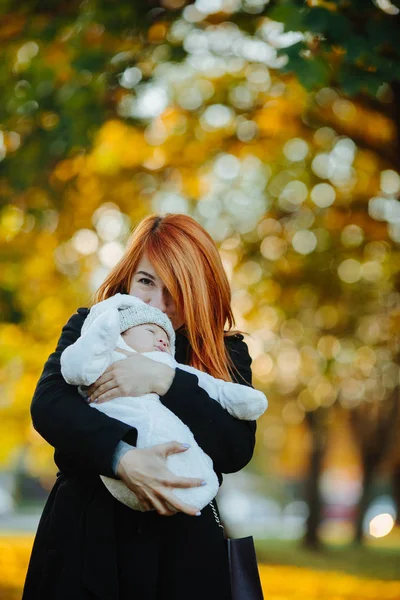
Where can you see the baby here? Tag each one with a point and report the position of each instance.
(124, 322)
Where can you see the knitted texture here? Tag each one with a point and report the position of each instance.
(140, 314)
(118, 303)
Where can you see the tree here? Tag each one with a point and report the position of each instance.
(188, 111)
(349, 45)
(352, 47)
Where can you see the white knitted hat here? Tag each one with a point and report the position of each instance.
(140, 314)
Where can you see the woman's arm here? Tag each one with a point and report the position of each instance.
(89, 438)
(241, 401)
(64, 419)
(227, 440)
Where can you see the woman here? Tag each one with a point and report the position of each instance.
(89, 545)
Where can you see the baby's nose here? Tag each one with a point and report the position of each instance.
(163, 342)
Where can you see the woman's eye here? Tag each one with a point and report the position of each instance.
(146, 280)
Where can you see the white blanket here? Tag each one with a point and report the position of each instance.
(85, 361)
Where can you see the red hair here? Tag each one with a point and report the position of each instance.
(187, 260)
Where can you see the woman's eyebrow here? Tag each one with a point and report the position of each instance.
(146, 274)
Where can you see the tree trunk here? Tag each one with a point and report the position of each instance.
(396, 491)
(312, 493)
(368, 475)
(374, 427)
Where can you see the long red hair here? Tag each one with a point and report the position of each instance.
(186, 258)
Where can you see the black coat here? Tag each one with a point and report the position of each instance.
(89, 545)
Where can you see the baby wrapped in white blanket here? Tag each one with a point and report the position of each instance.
(151, 331)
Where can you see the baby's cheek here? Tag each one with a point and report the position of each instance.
(130, 338)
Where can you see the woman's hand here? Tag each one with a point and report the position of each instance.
(145, 472)
(135, 376)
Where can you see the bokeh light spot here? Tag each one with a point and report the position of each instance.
(349, 270)
(381, 525)
(304, 242)
(323, 195)
(295, 149)
(85, 241)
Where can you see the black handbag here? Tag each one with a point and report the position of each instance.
(245, 578)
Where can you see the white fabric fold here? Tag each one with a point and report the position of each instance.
(83, 363)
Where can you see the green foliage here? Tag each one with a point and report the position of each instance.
(352, 80)
(71, 151)
(333, 26)
(289, 14)
(356, 42)
(310, 72)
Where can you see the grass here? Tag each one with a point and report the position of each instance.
(296, 583)
(367, 562)
(287, 571)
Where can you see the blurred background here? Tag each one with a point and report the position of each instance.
(276, 125)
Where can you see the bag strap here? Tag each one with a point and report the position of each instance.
(216, 516)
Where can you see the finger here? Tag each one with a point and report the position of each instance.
(179, 505)
(107, 396)
(146, 505)
(158, 502)
(171, 508)
(160, 505)
(185, 482)
(150, 501)
(171, 447)
(93, 390)
(104, 387)
(103, 379)
(141, 496)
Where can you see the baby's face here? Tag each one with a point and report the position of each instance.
(147, 338)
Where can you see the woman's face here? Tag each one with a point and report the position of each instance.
(148, 286)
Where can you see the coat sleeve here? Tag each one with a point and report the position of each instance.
(64, 419)
(241, 401)
(228, 441)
